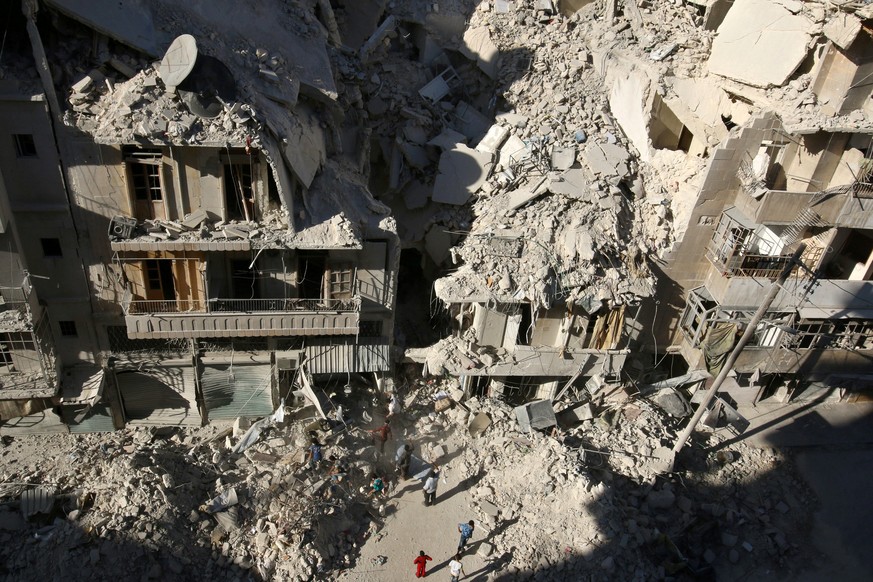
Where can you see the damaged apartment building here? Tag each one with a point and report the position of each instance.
(182, 243)
(540, 198)
(792, 168)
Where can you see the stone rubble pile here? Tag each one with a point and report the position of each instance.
(590, 502)
(158, 503)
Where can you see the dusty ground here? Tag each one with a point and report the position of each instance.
(584, 504)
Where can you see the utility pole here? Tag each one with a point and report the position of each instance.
(738, 349)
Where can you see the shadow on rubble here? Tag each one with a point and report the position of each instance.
(708, 520)
(153, 529)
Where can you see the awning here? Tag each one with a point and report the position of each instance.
(230, 391)
(181, 245)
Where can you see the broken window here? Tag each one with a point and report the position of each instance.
(666, 130)
(310, 274)
(371, 328)
(51, 247)
(854, 261)
(24, 145)
(68, 328)
(238, 191)
(341, 281)
(159, 280)
(243, 279)
(144, 169)
(19, 353)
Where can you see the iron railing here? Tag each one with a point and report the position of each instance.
(182, 306)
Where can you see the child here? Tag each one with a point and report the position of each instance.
(420, 563)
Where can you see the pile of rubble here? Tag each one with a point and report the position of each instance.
(591, 502)
(589, 498)
(152, 503)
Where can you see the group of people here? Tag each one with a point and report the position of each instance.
(378, 486)
(456, 568)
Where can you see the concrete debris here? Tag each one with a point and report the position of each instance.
(842, 29)
(477, 45)
(760, 42)
(462, 171)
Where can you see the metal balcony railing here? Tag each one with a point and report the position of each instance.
(184, 306)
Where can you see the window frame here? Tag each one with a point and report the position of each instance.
(25, 145)
(49, 253)
(67, 328)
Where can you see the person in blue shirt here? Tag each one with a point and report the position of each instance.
(466, 530)
(314, 454)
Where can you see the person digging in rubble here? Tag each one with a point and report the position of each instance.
(377, 485)
(430, 488)
(421, 564)
(402, 459)
(382, 434)
(466, 530)
(338, 470)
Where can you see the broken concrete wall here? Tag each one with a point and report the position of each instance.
(688, 266)
(630, 101)
(839, 83)
(809, 162)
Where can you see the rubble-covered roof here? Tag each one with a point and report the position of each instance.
(336, 232)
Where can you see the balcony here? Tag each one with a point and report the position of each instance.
(742, 248)
(198, 318)
(28, 367)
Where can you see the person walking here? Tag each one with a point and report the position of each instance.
(456, 568)
(402, 460)
(382, 434)
(466, 530)
(421, 564)
(430, 488)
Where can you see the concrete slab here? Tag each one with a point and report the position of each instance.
(527, 193)
(462, 171)
(606, 159)
(492, 141)
(416, 156)
(573, 183)
(416, 194)
(448, 139)
(842, 29)
(478, 46)
(760, 43)
(563, 158)
(437, 243)
(512, 151)
(469, 121)
(129, 22)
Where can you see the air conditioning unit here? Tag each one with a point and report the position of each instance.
(122, 227)
(289, 360)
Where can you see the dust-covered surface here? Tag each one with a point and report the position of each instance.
(583, 503)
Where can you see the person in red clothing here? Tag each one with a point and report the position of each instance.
(382, 434)
(420, 563)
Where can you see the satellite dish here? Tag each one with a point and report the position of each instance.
(207, 86)
(179, 61)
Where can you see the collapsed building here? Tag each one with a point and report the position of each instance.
(792, 168)
(186, 257)
(204, 217)
(265, 201)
